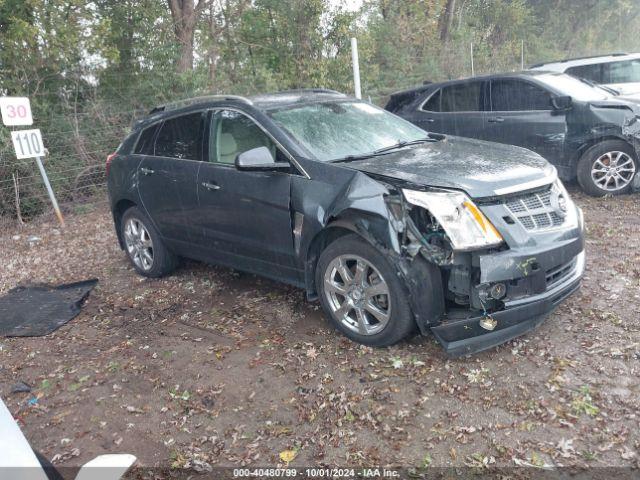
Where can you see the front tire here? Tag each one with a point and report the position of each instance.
(144, 246)
(608, 168)
(361, 293)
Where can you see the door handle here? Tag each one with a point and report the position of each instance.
(210, 186)
(496, 120)
(146, 171)
(429, 120)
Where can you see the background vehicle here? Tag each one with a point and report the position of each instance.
(390, 227)
(18, 461)
(583, 131)
(620, 71)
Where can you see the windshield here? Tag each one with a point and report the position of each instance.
(568, 85)
(335, 130)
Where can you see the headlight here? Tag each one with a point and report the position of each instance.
(564, 206)
(462, 220)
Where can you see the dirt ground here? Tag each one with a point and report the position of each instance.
(211, 367)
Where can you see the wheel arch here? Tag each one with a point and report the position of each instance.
(118, 211)
(322, 240)
(371, 227)
(592, 142)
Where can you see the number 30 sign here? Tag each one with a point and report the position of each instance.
(16, 111)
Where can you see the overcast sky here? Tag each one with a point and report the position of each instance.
(349, 4)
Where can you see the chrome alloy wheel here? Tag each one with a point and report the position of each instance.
(357, 294)
(138, 243)
(613, 171)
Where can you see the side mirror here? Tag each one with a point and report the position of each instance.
(259, 159)
(562, 103)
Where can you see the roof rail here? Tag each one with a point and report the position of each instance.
(565, 60)
(310, 90)
(194, 101)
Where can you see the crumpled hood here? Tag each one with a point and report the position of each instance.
(626, 102)
(481, 169)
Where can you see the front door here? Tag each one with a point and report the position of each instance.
(167, 179)
(245, 214)
(521, 114)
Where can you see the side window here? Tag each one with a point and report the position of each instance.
(463, 97)
(433, 104)
(590, 72)
(181, 137)
(144, 146)
(518, 96)
(233, 133)
(621, 72)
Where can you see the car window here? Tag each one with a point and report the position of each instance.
(144, 146)
(233, 133)
(462, 97)
(181, 137)
(621, 72)
(433, 104)
(590, 72)
(517, 96)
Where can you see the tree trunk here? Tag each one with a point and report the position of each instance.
(185, 15)
(446, 20)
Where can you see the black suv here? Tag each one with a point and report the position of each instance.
(582, 129)
(390, 227)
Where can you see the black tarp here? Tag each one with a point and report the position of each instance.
(36, 310)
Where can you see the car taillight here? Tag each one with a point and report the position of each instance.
(109, 158)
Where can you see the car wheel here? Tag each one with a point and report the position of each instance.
(362, 294)
(607, 168)
(148, 254)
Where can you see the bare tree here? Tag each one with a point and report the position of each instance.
(185, 15)
(446, 20)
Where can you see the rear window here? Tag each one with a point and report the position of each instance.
(181, 137)
(433, 104)
(464, 97)
(144, 146)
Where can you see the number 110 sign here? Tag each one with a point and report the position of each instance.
(27, 143)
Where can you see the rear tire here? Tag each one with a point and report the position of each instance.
(370, 305)
(144, 246)
(608, 168)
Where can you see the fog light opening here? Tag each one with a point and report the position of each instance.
(498, 291)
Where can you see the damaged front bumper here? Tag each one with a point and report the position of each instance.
(466, 336)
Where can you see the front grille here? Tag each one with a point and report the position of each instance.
(557, 274)
(534, 210)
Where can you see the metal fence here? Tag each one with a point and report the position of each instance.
(77, 145)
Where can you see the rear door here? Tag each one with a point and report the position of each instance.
(521, 114)
(167, 179)
(427, 116)
(245, 214)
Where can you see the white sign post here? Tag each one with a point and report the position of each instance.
(16, 111)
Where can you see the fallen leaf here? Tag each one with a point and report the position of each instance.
(287, 456)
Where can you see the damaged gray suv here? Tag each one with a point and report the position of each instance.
(393, 229)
